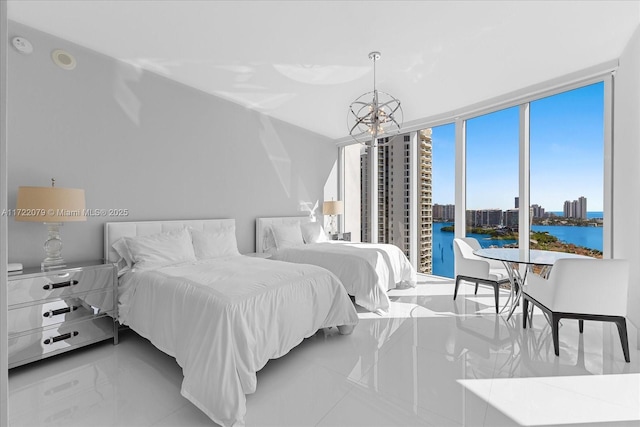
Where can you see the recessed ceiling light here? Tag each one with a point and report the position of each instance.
(63, 59)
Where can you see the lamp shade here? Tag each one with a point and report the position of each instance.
(334, 207)
(50, 204)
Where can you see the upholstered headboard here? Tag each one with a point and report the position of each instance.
(263, 228)
(116, 230)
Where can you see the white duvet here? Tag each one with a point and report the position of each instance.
(366, 270)
(223, 319)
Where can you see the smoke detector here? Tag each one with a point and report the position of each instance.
(22, 45)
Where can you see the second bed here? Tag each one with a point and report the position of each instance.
(366, 270)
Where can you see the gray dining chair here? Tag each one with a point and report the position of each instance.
(472, 268)
(583, 289)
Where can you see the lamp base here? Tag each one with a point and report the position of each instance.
(53, 248)
(52, 265)
(333, 229)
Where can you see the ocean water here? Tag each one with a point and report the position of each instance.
(590, 214)
(589, 237)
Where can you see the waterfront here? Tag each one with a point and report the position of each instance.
(590, 237)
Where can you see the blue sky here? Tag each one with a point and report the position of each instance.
(566, 154)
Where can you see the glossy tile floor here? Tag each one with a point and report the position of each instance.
(432, 362)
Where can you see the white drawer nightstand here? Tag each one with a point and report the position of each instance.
(51, 312)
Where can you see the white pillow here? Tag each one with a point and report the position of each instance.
(312, 232)
(161, 249)
(287, 235)
(215, 244)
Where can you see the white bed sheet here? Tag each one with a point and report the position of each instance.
(223, 319)
(366, 270)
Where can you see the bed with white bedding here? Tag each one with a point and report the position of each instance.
(366, 270)
(220, 314)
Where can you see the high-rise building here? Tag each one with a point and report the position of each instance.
(581, 208)
(444, 212)
(491, 217)
(394, 195)
(537, 211)
(576, 208)
(425, 202)
(516, 203)
(364, 197)
(484, 218)
(567, 210)
(511, 218)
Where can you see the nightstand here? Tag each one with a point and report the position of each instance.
(51, 312)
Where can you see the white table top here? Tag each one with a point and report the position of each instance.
(535, 256)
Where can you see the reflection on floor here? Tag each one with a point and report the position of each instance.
(432, 362)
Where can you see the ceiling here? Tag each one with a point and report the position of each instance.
(304, 62)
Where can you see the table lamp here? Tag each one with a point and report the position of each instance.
(332, 208)
(53, 206)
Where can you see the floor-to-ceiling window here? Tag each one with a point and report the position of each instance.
(492, 200)
(567, 171)
(561, 182)
(443, 196)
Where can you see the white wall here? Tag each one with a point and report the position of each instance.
(626, 170)
(138, 141)
(4, 43)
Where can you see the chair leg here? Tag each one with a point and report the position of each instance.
(622, 330)
(496, 291)
(581, 325)
(476, 291)
(555, 320)
(455, 291)
(525, 309)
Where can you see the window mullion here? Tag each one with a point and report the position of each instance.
(524, 213)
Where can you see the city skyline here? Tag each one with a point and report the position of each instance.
(567, 147)
(575, 209)
(569, 209)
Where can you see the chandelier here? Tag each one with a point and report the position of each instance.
(374, 114)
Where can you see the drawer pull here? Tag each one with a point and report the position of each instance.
(50, 286)
(52, 313)
(61, 337)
